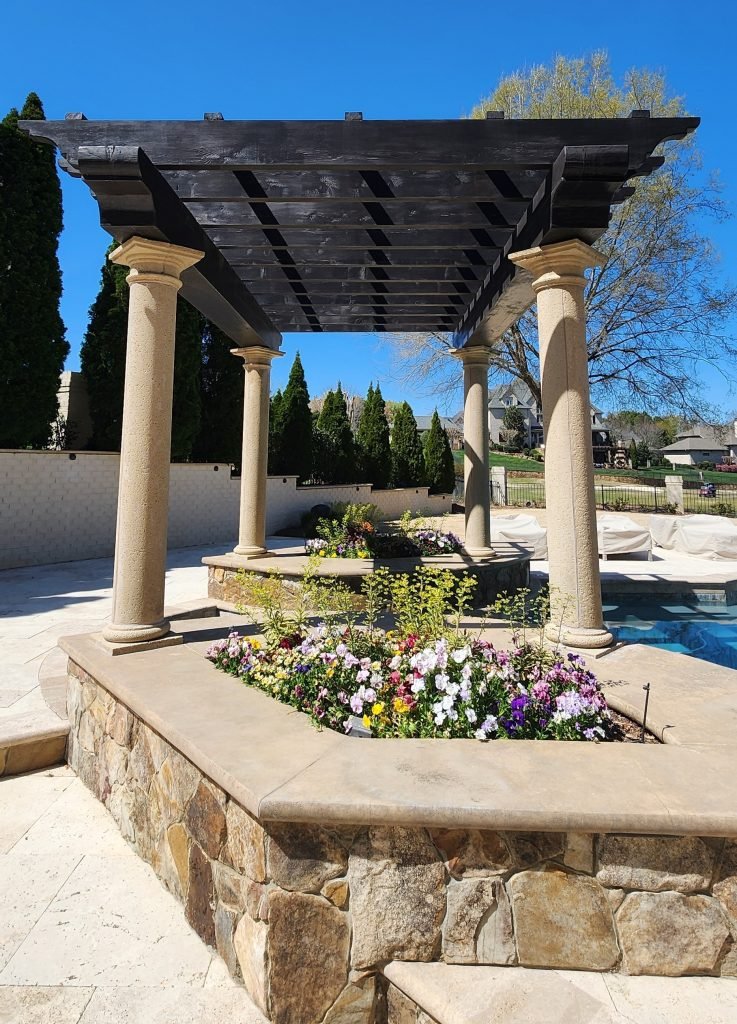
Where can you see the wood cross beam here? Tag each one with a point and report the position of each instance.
(358, 225)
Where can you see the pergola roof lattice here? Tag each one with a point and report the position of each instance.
(359, 225)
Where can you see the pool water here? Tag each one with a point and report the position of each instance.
(706, 631)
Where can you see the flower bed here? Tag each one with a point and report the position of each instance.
(400, 687)
(353, 535)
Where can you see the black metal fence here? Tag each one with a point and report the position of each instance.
(616, 496)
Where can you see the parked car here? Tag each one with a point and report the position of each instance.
(708, 491)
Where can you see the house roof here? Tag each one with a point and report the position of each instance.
(696, 443)
(423, 423)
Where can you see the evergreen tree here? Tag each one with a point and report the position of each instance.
(408, 461)
(633, 454)
(186, 418)
(102, 358)
(439, 465)
(372, 440)
(335, 425)
(275, 455)
(515, 428)
(295, 425)
(32, 342)
(221, 399)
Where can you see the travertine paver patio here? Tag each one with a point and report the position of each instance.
(87, 932)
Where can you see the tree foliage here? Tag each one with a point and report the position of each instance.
(294, 426)
(32, 342)
(515, 430)
(334, 426)
(658, 312)
(372, 439)
(102, 358)
(408, 458)
(439, 464)
(220, 436)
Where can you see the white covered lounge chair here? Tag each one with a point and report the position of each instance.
(620, 535)
(706, 536)
(523, 530)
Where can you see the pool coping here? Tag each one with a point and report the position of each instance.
(280, 768)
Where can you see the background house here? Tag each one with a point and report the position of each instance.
(702, 443)
(451, 425)
(518, 394)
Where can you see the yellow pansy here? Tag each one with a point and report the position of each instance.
(367, 721)
(400, 707)
(377, 708)
(256, 645)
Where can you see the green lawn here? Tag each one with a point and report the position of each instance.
(522, 465)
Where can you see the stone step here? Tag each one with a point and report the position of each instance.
(31, 740)
(436, 993)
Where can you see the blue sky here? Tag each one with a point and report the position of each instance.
(388, 58)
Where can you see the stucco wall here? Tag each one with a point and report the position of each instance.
(55, 508)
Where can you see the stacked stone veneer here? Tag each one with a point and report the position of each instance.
(308, 915)
(499, 576)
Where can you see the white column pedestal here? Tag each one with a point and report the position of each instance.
(559, 282)
(254, 462)
(143, 497)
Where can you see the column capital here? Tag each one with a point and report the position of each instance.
(257, 357)
(562, 263)
(473, 355)
(160, 261)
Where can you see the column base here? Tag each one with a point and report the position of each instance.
(131, 633)
(482, 552)
(580, 637)
(116, 647)
(250, 551)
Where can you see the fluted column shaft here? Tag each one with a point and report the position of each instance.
(559, 282)
(254, 461)
(143, 496)
(475, 360)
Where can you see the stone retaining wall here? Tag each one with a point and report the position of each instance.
(308, 916)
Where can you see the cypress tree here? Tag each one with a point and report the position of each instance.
(32, 342)
(335, 425)
(439, 466)
(221, 399)
(372, 440)
(295, 425)
(275, 455)
(634, 454)
(408, 461)
(102, 358)
(186, 418)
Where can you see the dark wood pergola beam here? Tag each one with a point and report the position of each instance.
(335, 186)
(412, 215)
(360, 145)
(337, 239)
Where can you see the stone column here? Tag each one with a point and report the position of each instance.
(559, 282)
(143, 496)
(254, 462)
(475, 360)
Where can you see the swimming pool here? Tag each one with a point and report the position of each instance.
(706, 631)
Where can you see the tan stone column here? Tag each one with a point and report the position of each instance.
(254, 461)
(475, 360)
(143, 497)
(559, 282)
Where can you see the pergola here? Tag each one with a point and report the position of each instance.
(426, 226)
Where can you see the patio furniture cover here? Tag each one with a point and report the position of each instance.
(663, 530)
(523, 530)
(707, 536)
(620, 535)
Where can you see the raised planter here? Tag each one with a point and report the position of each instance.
(508, 571)
(310, 860)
